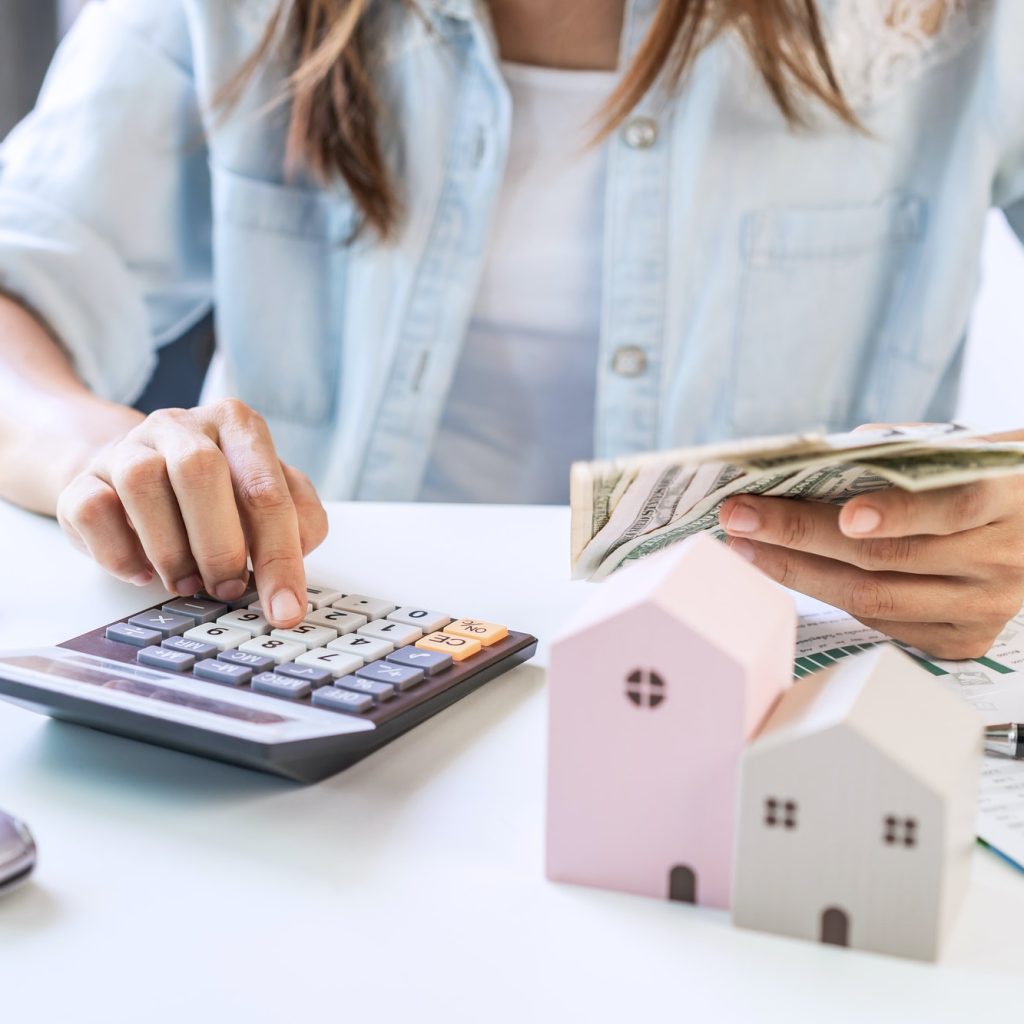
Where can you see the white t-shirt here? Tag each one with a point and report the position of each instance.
(521, 405)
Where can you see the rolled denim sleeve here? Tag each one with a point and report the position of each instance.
(105, 195)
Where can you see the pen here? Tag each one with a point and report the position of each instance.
(1006, 739)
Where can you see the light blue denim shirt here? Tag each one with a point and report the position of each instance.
(756, 279)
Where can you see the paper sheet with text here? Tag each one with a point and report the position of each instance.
(993, 685)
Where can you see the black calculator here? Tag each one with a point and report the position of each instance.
(215, 678)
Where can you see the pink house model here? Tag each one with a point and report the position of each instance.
(655, 687)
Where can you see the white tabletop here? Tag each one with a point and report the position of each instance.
(409, 887)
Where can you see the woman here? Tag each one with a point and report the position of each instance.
(429, 285)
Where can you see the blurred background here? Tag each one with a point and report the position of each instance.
(993, 391)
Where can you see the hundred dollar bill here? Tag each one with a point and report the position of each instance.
(660, 498)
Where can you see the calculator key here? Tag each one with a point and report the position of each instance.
(161, 657)
(338, 663)
(400, 676)
(320, 596)
(341, 622)
(476, 629)
(371, 607)
(257, 662)
(279, 651)
(421, 618)
(252, 622)
(459, 647)
(396, 633)
(223, 672)
(315, 675)
(124, 633)
(255, 606)
(196, 609)
(243, 601)
(429, 662)
(222, 637)
(282, 686)
(165, 623)
(196, 648)
(366, 647)
(308, 634)
(380, 692)
(337, 699)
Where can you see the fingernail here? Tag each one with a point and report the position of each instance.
(230, 591)
(743, 519)
(143, 579)
(189, 587)
(743, 548)
(284, 606)
(864, 520)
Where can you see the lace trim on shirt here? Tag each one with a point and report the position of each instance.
(878, 46)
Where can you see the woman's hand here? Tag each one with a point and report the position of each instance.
(941, 570)
(191, 495)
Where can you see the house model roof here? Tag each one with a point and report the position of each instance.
(702, 584)
(893, 704)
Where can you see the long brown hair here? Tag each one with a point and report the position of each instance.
(333, 124)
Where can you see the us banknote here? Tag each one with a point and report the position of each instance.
(628, 508)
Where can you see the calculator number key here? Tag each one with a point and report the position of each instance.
(222, 637)
(486, 633)
(395, 633)
(278, 651)
(307, 634)
(422, 618)
(340, 621)
(366, 647)
(458, 647)
(252, 622)
(338, 663)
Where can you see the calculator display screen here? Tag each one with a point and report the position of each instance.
(185, 700)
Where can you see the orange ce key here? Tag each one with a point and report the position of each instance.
(476, 629)
(458, 647)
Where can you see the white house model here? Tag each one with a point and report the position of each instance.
(857, 805)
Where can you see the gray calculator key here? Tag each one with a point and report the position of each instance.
(161, 657)
(400, 676)
(137, 636)
(240, 602)
(197, 609)
(278, 685)
(337, 699)
(215, 671)
(196, 648)
(165, 623)
(379, 691)
(430, 662)
(257, 662)
(313, 674)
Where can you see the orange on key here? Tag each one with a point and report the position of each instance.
(476, 629)
(460, 648)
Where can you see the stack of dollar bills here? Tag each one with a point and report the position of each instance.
(624, 509)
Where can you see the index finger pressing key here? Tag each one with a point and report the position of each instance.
(268, 513)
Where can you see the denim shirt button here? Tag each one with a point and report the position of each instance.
(629, 361)
(640, 132)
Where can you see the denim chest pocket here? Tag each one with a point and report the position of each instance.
(280, 262)
(820, 291)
